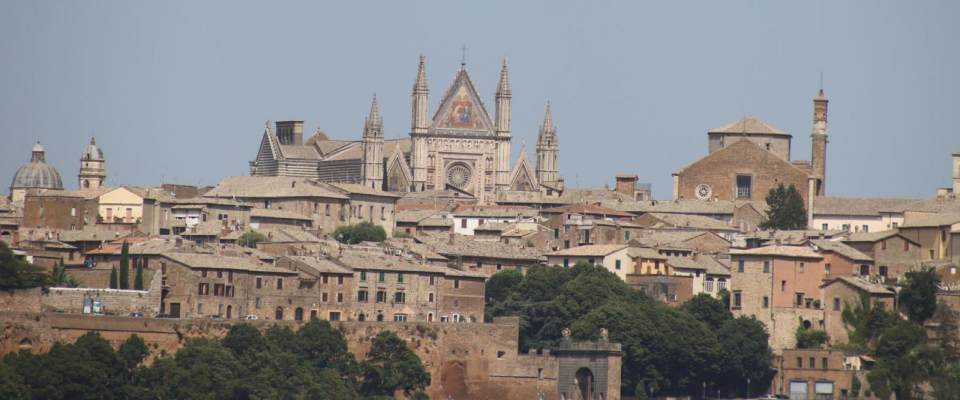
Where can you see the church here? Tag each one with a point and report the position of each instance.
(461, 149)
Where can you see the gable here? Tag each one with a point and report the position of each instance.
(268, 149)
(462, 110)
(745, 153)
(121, 195)
(398, 176)
(522, 178)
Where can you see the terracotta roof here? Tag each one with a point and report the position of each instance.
(299, 151)
(493, 212)
(704, 263)
(860, 206)
(206, 228)
(690, 206)
(436, 222)
(749, 125)
(778, 250)
(587, 209)
(872, 237)
(793, 237)
(288, 235)
(91, 234)
(745, 146)
(193, 260)
(320, 265)
(861, 284)
(270, 187)
(842, 249)
(933, 205)
(415, 216)
(378, 259)
(668, 238)
(590, 250)
(645, 252)
(467, 246)
(353, 188)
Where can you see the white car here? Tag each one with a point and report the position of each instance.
(250, 317)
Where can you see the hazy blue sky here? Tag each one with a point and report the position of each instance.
(180, 92)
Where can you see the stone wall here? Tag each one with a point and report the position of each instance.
(20, 300)
(113, 301)
(465, 360)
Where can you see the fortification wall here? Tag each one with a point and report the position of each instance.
(113, 301)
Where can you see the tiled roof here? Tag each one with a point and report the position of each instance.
(668, 238)
(285, 235)
(590, 250)
(320, 264)
(794, 237)
(778, 250)
(645, 252)
(436, 222)
(211, 261)
(414, 216)
(91, 234)
(493, 212)
(859, 206)
(701, 262)
(206, 228)
(378, 259)
(354, 150)
(354, 188)
(689, 206)
(467, 246)
(861, 284)
(270, 187)
(692, 221)
(932, 205)
(871, 237)
(299, 151)
(930, 220)
(749, 125)
(587, 209)
(842, 249)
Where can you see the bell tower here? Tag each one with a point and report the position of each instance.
(419, 127)
(93, 171)
(373, 148)
(548, 150)
(818, 137)
(504, 98)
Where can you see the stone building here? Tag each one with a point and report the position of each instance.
(812, 374)
(93, 170)
(462, 148)
(481, 256)
(892, 253)
(846, 292)
(53, 209)
(36, 174)
(749, 157)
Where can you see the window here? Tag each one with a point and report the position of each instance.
(802, 265)
(499, 267)
(199, 308)
(744, 186)
(566, 244)
(382, 276)
(626, 236)
(230, 276)
(823, 363)
(334, 315)
(799, 301)
(279, 283)
(204, 289)
(463, 222)
(799, 362)
(895, 225)
(259, 282)
(708, 285)
(617, 265)
(362, 296)
(326, 210)
(846, 227)
(399, 298)
(826, 269)
(363, 276)
(556, 233)
(783, 285)
(339, 297)
(456, 284)
(824, 227)
(566, 263)
(257, 303)
(883, 271)
(381, 296)
(737, 299)
(866, 228)
(203, 273)
(721, 284)
(432, 280)
(836, 304)
(766, 302)
(399, 317)
(383, 215)
(340, 280)
(766, 267)
(739, 265)
(323, 297)
(813, 362)
(864, 269)
(323, 279)
(430, 298)
(883, 245)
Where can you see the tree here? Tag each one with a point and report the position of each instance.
(785, 209)
(59, 276)
(361, 232)
(113, 278)
(392, 367)
(244, 339)
(900, 352)
(809, 338)
(125, 266)
(16, 273)
(251, 238)
(865, 321)
(132, 352)
(502, 284)
(918, 294)
(746, 355)
(138, 276)
(708, 309)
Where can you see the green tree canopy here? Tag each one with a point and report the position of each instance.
(785, 209)
(16, 273)
(251, 238)
(361, 232)
(124, 266)
(392, 366)
(918, 294)
(707, 309)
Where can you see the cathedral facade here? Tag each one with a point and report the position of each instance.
(462, 148)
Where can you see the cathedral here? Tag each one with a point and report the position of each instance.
(461, 149)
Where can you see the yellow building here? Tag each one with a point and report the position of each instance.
(123, 205)
(648, 261)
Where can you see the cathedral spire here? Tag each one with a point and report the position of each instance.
(548, 151)
(548, 127)
(503, 89)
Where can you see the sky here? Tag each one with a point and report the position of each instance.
(180, 91)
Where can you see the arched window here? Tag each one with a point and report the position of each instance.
(86, 184)
(362, 317)
(279, 314)
(298, 314)
(379, 317)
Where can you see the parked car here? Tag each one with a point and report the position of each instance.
(250, 317)
(136, 314)
(216, 317)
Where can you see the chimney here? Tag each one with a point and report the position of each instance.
(956, 173)
(452, 238)
(626, 184)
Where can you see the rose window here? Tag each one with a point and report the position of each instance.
(458, 175)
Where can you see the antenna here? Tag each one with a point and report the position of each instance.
(821, 81)
(463, 56)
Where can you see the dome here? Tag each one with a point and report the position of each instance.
(37, 174)
(92, 152)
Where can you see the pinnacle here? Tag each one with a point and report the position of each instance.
(374, 117)
(503, 89)
(420, 86)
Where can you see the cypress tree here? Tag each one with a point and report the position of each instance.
(138, 276)
(125, 266)
(113, 278)
(786, 210)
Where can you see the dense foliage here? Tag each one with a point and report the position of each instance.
(60, 278)
(311, 363)
(665, 350)
(785, 209)
(809, 338)
(918, 294)
(19, 274)
(362, 232)
(251, 238)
